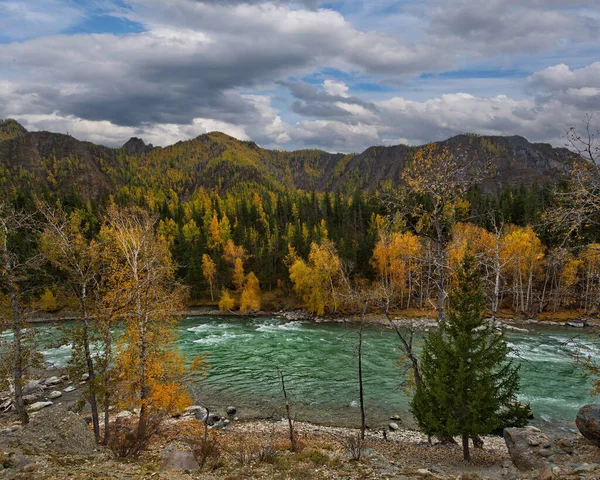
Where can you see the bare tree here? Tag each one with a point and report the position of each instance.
(15, 269)
(288, 411)
(65, 245)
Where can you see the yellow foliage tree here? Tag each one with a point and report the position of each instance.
(238, 275)
(396, 260)
(250, 300)
(524, 256)
(48, 301)
(320, 280)
(227, 302)
(209, 271)
(149, 367)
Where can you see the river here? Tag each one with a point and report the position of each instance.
(319, 362)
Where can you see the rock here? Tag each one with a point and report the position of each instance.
(546, 473)
(52, 381)
(213, 419)
(69, 389)
(567, 445)
(588, 422)
(85, 377)
(524, 455)
(585, 468)
(54, 394)
(393, 426)
(124, 414)
(34, 407)
(576, 323)
(231, 410)
(397, 418)
(200, 415)
(33, 387)
(59, 430)
(180, 460)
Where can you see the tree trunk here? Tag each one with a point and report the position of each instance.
(466, 452)
(363, 424)
(90, 366)
(17, 333)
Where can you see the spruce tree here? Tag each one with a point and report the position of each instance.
(467, 378)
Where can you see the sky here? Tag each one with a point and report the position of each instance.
(339, 75)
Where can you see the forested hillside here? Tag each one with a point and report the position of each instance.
(228, 207)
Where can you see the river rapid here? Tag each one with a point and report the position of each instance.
(319, 362)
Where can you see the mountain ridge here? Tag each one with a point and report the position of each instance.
(45, 160)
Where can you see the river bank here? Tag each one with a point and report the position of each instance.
(415, 319)
(258, 449)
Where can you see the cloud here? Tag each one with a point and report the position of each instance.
(578, 87)
(240, 66)
(36, 18)
(512, 26)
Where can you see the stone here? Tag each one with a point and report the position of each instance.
(231, 410)
(576, 324)
(124, 414)
(34, 407)
(397, 418)
(523, 455)
(54, 394)
(180, 460)
(52, 381)
(69, 389)
(546, 473)
(588, 422)
(585, 468)
(567, 445)
(85, 377)
(393, 426)
(213, 419)
(59, 430)
(33, 387)
(546, 452)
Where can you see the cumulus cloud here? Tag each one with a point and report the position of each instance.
(578, 87)
(237, 66)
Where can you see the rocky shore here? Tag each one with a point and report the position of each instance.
(58, 444)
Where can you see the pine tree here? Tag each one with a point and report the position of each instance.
(467, 379)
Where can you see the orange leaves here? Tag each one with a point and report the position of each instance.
(318, 282)
(250, 301)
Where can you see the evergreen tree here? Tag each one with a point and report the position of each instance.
(467, 379)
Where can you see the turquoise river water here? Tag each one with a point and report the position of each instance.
(320, 366)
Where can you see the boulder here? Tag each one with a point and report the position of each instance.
(34, 407)
(180, 460)
(231, 410)
(525, 446)
(85, 377)
(54, 394)
(70, 388)
(393, 426)
(59, 430)
(52, 381)
(33, 387)
(588, 422)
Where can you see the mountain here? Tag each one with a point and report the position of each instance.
(45, 161)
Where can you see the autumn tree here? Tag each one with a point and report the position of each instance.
(524, 255)
(437, 181)
(148, 365)
(226, 303)
(17, 263)
(209, 271)
(320, 280)
(466, 375)
(66, 244)
(396, 258)
(250, 300)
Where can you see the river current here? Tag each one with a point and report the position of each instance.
(319, 362)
